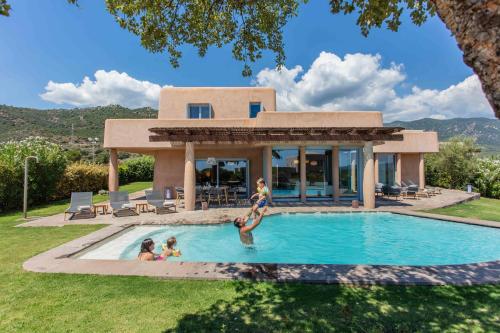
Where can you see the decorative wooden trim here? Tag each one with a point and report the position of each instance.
(273, 134)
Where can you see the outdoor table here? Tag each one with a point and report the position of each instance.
(142, 207)
(101, 207)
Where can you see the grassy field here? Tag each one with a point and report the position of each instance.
(34, 302)
(483, 209)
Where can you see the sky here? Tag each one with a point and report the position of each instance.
(55, 55)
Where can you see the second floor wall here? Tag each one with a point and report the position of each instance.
(219, 103)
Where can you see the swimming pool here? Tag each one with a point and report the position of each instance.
(319, 238)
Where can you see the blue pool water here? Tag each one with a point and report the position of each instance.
(334, 238)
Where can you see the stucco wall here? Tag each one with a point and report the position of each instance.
(169, 164)
(409, 167)
(225, 102)
(413, 142)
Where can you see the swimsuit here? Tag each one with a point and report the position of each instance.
(262, 203)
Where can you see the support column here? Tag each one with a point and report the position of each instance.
(302, 160)
(375, 158)
(368, 176)
(335, 173)
(398, 169)
(421, 171)
(113, 170)
(189, 178)
(267, 159)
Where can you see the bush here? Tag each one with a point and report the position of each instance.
(454, 165)
(136, 169)
(487, 177)
(43, 175)
(8, 183)
(82, 177)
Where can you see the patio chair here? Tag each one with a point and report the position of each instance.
(214, 194)
(411, 190)
(392, 190)
(120, 204)
(161, 206)
(180, 195)
(81, 206)
(379, 189)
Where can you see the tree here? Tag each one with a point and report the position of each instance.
(454, 165)
(253, 26)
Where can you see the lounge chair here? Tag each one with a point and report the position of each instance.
(120, 204)
(161, 206)
(81, 205)
(392, 190)
(379, 189)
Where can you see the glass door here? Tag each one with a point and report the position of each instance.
(286, 173)
(318, 172)
(348, 172)
(386, 168)
(231, 173)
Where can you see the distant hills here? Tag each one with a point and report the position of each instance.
(485, 130)
(18, 123)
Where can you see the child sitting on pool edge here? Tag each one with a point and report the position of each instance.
(169, 249)
(262, 193)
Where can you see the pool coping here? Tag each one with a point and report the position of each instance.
(62, 259)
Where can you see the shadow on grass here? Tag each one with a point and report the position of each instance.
(271, 307)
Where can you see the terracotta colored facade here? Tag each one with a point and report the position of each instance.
(345, 169)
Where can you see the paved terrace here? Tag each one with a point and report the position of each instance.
(223, 214)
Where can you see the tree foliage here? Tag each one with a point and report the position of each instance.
(374, 13)
(252, 27)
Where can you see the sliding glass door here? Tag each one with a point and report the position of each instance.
(386, 168)
(348, 172)
(286, 173)
(232, 173)
(318, 172)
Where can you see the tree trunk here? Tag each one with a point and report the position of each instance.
(476, 26)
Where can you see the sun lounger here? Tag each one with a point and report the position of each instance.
(81, 206)
(161, 206)
(120, 204)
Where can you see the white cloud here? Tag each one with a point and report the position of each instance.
(108, 88)
(359, 82)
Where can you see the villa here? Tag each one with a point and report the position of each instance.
(228, 137)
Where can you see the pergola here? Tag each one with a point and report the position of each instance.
(267, 136)
(273, 134)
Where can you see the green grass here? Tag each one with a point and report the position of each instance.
(483, 209)
(35, 302)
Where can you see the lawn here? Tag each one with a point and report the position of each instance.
(483, 209)
(35, 302)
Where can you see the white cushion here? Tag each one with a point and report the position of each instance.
(83, 207)
(128, 205)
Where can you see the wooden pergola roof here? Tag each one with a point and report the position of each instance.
(273, 134)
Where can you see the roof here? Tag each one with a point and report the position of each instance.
(273, 134)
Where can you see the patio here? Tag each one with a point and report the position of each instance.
(226, 213)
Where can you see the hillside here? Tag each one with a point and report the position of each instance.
(485, 130)
(18, 123)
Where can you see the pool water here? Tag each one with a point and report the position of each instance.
(332, 238)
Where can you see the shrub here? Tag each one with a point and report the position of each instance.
(454, 165)
(43, 175)
(487, 177)
(82, 177)
(8, 183)
(136, 169)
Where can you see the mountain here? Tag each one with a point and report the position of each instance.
(56, 124)
(17, 123)
(485, 130)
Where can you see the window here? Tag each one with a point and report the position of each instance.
(386, 168)
(254, 109)
(286, 172)
(199, 111)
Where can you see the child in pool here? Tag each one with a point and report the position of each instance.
(262, 194)
(169, 249)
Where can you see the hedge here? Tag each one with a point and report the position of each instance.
(136, 170)
(82, 177)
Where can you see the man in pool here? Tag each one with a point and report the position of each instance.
(245, 231)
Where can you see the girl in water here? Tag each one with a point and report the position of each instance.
(169, 249)
(147, 254)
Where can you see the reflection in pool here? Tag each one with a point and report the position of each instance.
(332, 238)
